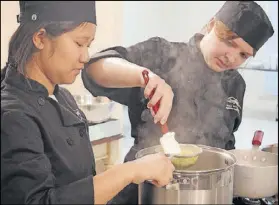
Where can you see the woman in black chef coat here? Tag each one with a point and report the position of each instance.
(208, 100)
(46, 154)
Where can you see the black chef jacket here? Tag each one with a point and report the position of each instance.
(46, 155)
(207, 106)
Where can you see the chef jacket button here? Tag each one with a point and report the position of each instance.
(146, 115)
(81, 132)
(34, 17)
(41, 101)
(70, 141)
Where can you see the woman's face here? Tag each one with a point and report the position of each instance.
(63, 57)
(221, 55)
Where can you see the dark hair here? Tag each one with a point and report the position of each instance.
(21, 45)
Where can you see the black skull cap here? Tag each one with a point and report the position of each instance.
(248, 20)
(42, 11)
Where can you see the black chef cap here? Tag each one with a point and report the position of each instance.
(248, 20)
(77, 11)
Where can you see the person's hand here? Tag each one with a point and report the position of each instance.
(155, 167)
(162, 92)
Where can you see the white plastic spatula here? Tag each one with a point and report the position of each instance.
(168, 142)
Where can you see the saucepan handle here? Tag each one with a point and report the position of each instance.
(258, 137)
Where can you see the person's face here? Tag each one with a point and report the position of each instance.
(222, 54)
(63, 57)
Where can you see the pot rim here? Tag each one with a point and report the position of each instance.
(267, 154)
(258, 167)
(201, 172)
(271, 146)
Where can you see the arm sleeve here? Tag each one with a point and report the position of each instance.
(236, 90)
(150, 54)
(26, 172)
(239, 94)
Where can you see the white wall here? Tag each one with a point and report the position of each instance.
(175, 21)
(9, 10)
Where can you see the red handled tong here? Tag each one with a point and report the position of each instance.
(164, 127)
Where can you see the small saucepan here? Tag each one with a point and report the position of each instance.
(256, 171)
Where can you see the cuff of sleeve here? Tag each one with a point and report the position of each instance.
(78, 192)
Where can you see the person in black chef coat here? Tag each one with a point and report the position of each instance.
(208, 90)
(46, 154)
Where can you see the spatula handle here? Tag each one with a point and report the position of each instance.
(164, 127)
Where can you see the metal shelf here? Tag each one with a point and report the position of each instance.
(260, 69)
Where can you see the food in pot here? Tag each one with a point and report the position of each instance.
(188, 156)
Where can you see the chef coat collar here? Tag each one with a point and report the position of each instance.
(194, 43)
(69, 114)
(13, 77)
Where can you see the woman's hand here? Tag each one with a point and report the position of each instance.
(163, 92)
(155, 167)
